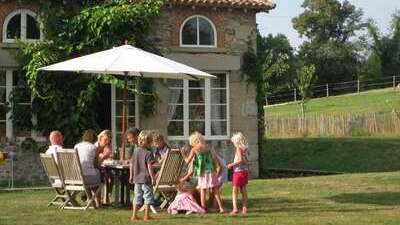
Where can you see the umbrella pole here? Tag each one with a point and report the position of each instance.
(124, 116)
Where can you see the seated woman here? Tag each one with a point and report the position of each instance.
(103, 145)
(104, 152)
(87, 156)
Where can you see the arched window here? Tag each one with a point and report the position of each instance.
(198, 31)
(21, 24)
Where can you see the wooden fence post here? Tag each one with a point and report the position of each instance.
(358, 86)
(295, 95)
(394, 82)
(327, 90)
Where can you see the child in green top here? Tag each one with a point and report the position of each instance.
(206, 167)
(131, 137)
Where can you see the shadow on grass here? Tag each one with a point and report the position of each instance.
(376, 198)
(277, 205)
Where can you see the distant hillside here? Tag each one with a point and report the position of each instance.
(383, 100)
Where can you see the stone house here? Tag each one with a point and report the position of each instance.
(209, 35)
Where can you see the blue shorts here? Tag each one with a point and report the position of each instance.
(143, 194)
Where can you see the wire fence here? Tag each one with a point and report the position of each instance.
(334, 89)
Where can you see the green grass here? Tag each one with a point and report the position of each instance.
(384, 100)
(351, 155)
(349, 199)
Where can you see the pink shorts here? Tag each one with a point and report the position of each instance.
(240, 178)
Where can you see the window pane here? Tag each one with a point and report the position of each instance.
(21, 132)
(197, 112)
(14, 27)
(3, 112)
(196, 96)
(218, 112)
(175, 96)
(196, 83)
(219, 128)
(175, 83)
(175, 128)
(3, 95)
(2, 129)
(189, 32)
(198, 126)
(131, 108)
(206, 32)
(220, 82)
(3, 78)
(118, 123)
(218, 96)
(175, 112)
(32, 28)
(119, 94)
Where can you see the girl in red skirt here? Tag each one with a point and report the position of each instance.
(240, 175)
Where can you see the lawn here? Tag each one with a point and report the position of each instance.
(383, 100)
(347, 199)
(350, 155)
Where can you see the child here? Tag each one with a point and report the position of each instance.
(160, 147)
(131, 137)
(206, 167)
(222, 178)
(240, 172)
(142, 175)
(184, 201)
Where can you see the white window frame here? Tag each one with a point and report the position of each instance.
(9, 123)
(207, 93)
(198, 33)
(114, 116)
(24, 13)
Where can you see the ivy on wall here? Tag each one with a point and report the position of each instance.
(67, 101)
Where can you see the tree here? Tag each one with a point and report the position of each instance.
(277, 61)
(305, 80)
(73, 28)
(330, 27)
(385, 49)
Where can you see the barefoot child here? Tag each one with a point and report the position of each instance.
(142, 175)
(240, 172)
(184, 201)
(206, 167)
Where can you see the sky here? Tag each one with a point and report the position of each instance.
(279, 20)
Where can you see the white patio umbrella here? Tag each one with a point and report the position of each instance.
(128, 61)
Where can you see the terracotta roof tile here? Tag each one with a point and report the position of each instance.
(261, 5)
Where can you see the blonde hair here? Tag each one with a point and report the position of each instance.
(239, 140)
(104, 133)
(157, 136)
(195, 138)
(144, 138)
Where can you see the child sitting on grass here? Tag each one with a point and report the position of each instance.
(184, 201)
(206, 167)
(240, 175)
(142, 175)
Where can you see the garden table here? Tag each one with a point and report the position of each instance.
(121, 186)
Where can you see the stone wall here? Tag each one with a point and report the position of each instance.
(8, 6)
(28, 169)
(236, 29)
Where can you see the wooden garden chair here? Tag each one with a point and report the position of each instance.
(168, 176)
(55, 179)
(71, 170)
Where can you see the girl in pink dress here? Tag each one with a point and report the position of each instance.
(184, 202)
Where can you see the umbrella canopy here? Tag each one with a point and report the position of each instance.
(128, 61)
(131, 61)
